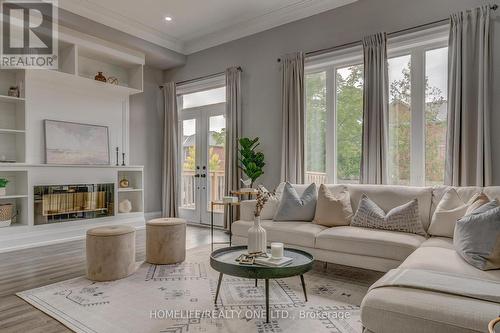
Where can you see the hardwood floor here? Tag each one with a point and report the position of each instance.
(32, 268)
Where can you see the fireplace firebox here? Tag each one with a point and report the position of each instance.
(62, 203)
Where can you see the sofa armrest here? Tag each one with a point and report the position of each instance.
(247, 210)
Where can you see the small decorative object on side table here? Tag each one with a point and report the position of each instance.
(224, 262)
(100, 77)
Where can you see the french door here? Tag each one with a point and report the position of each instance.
(202, 162)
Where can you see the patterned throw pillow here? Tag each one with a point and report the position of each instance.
(477, 237)
(295, 208)
(404, 218)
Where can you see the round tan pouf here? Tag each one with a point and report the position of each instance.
(110, 252)
(166, 241)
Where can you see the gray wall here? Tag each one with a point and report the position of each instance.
(257, 55)
(146, 128)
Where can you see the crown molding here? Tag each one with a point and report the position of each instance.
(200, 41)
(261, 23)
(115, 20)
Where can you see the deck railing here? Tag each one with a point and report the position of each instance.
(188, 187)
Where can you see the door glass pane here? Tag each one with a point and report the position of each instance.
(205, 97)
(349, 101)
(216, 159)
(399, 165)
(316, 119)
(436, 90)
(188, 197)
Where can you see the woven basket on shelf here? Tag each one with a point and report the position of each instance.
(6, 212)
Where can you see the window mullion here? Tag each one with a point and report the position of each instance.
(331, 138)
(417, 117)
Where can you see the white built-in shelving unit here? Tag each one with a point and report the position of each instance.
(80, 58)
(134, 192)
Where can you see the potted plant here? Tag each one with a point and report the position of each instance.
(3, 185)
(252, 161)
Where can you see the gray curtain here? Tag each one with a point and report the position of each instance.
(170, 180)
(375, 110)
(468, 144)
(233, 131)
(293, 118)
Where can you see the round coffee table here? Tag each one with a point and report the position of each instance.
(224, 262)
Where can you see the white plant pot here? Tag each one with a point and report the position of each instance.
(3, 191)
(257, 238)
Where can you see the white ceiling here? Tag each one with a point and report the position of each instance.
(196, 24)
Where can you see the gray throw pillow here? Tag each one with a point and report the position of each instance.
(404, 218)
(477, 237)
(295, 208)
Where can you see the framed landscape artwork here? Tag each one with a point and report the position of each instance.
(76, 144)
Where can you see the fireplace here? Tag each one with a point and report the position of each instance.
(62, 203)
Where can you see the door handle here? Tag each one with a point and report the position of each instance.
(197, 176)
(203, 176)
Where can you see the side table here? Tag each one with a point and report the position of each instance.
(224, 204)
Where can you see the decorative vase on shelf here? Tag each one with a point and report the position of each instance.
(125, 206)
(257, 238)
(124, 183)
(100, 77)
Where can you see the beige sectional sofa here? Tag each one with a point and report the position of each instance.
(391, 309)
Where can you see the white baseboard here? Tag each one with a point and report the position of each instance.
(63, 233)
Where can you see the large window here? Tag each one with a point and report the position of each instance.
(334, 104)
(417, 113)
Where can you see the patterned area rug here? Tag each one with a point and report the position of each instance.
(180, 298)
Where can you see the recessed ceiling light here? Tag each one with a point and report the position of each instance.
(168, 18)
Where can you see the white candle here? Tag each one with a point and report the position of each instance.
(277, 250)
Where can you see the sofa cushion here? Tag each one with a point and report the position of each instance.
(477, 237)
(333, 208)
(295, 207)
(397, 310)
(443, 242)
(369, 242)
(389, 196)
(446, 260)
(403, 218)
(289, 232)
(450, 209)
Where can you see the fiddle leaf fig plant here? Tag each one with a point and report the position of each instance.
(252, 161)
(3, 182)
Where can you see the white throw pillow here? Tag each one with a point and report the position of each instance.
(270, 208)
(450, 209)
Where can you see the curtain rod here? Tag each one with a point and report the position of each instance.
(346, 45)
(209, 76)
